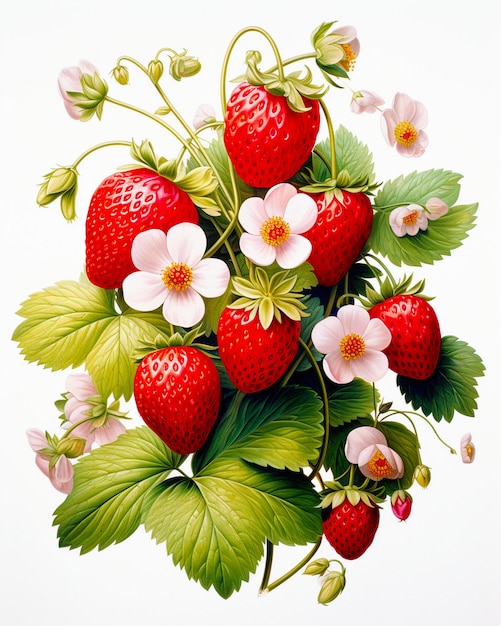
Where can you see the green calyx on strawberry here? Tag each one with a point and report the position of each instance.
(350, 519)
(177, 392)
(415, 346)
(271, 124)
(258, 334)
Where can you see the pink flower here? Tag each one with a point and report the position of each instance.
(350, 44)
(353, 344)
(57, 467)
(403, 125)
(367, 447)
(97, 426)
(435, 208)
(467, 449)
(274, 225)
(204, 115)
(70, 81)
(408, 220)
(364, 101)
(172, 274)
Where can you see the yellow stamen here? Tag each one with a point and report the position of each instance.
(177, 276)
(379, 466)
(405, 133)
(411, 218)
(348, 63)
(275, 231)
(352, 346)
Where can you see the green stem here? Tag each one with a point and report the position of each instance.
(295, 569)
(332, 140)
(407, 414)
(107, 144)
(267, 566)
(385, 268)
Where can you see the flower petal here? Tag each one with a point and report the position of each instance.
(354, 319)
(256, 250)
(293, 252)
(183, 308)
(301, 213)
(149, 251)
(338, 369)
(372, 366)
(404, 107)
(109, 432)
(81, 386)
(36, 439)
(63, 470)
(211, 277)
(144, 291)
(327, 334)
(277, 198)
(377, 335)
(186, 243)
(359, 439)
(252, 215)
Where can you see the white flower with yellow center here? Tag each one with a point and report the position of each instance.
(274, 226)
(174, 275)
(403, 126)
(367, 447)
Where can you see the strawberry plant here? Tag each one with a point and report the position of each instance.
(241, 298)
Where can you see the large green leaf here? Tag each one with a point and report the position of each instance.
(110, 483)
(215, 524)
(442, 235)
(452, 387)
(72, 323)
(351, 401)
(281, 428)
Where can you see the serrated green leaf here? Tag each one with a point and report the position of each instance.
(406, 444)
(453, 385)
(280, 427)
(110, 483)
(215, 524)
(74, 323)
(418, 187)
(351, 401)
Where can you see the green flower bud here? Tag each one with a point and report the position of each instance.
(182, 66)
(317, 567)
(155, 70)
(422, 475)
(121, 74)
(332, 585)
(71, 447)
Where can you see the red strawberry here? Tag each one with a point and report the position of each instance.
(254, 357)
(177, 392)
(266, 140)
(350, 528)
(123, 205)
(339, 234)
(415, 345)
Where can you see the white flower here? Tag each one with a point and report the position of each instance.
(70, 81)
(403, 126)
(274, 225)
(172, 274)
(367, 447)
(352, 343)
(467, 449)
(408, 220)
(365, 101)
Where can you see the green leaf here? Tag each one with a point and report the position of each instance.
(452, 387)
(110, 483)
(215, 524)
(72, 323)
(280, 427)
(406, 444)
(351, 401)
(442, 235)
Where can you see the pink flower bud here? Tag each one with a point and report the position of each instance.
(401, 504)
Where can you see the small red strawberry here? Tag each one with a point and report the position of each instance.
(414, 349)
(255, 357)
(122, 206)
(350, 526)
(339, 234)
(266, 140)
(177, 392)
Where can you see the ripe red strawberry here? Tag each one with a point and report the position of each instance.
(415, 345)
(266, 140)
(254, 357)
(122, 206)
(339, 234)
(350, 529)
(177, 392)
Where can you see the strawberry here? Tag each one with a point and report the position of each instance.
(177, 392)
(350, 528)
(415, 345)
(255, 357)
(122, 206)
(266, 140)
(339, 234)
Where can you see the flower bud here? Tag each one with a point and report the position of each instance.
(333, 584)
(121, 74)
(182, 66)
(422, 475)
(401, 504)
(317, 567)
(155, 70)
(467, 449)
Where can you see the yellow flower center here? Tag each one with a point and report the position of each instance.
(379, 466)
(470, 448)
(348, 63)
(275, 231)
(405, 133)
(352, 346)
(411, 218)
(177, 276)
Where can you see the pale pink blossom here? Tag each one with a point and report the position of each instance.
(69, 81)
(367, 447)
(204, 115)
(365, 101)
(82, 399)
(352, 343)
(408, 220)
(173, 274)
(60, 472)
(274, 226)
(467, 449)
(403, 125)
(435, 208)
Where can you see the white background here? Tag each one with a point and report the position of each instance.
(442, 565)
